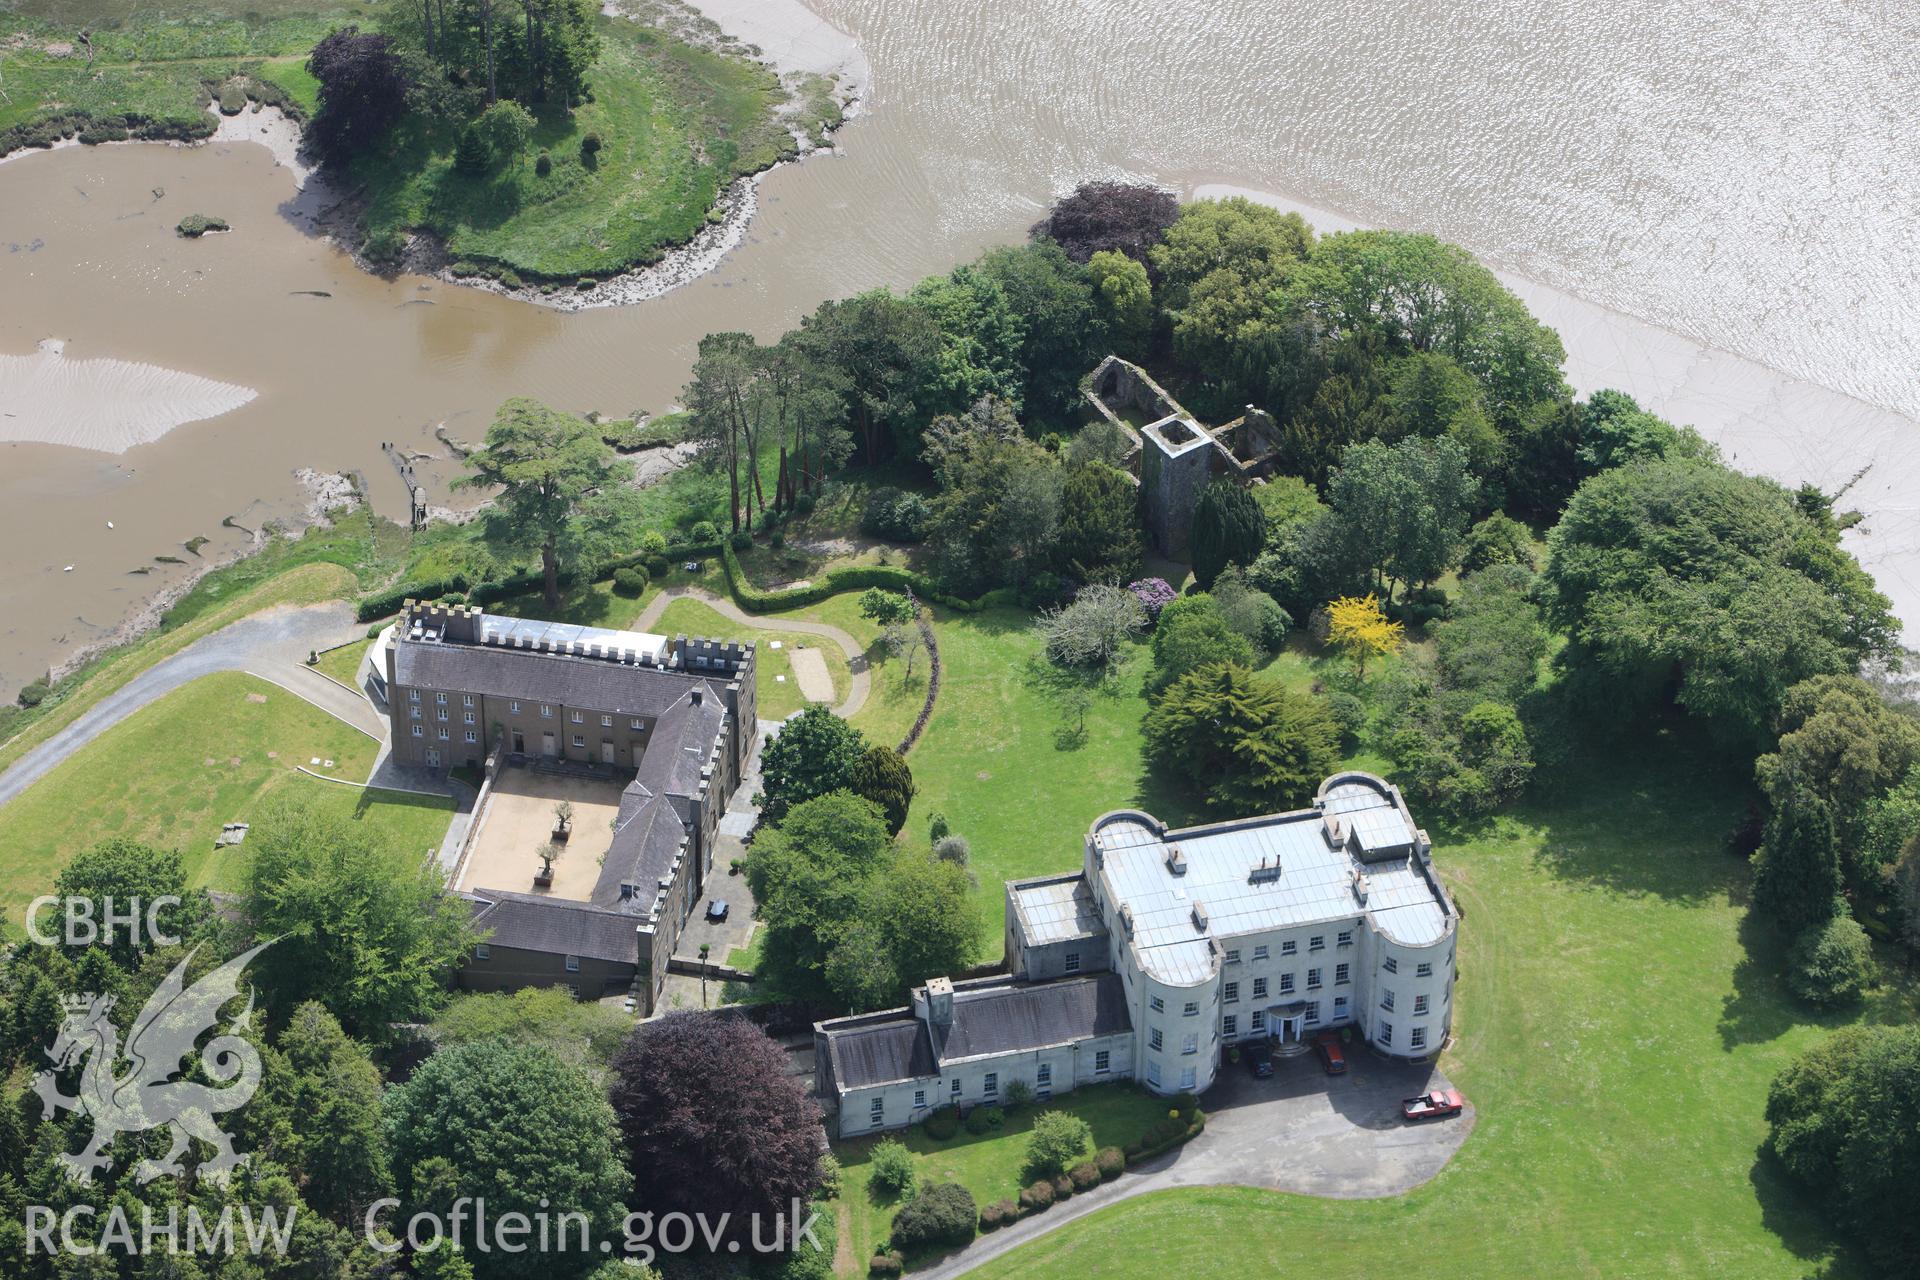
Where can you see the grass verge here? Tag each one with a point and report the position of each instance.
(173, 772)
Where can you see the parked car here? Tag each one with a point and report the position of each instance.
(1436, 1105)
(1327, 1044)
(1259, 1061)
(717, 910)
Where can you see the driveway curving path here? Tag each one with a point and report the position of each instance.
(272, 645)
(858, 687)
(1302, 1131)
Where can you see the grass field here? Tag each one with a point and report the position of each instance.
(678, 125)
(1619, 1022)
(990, 1164)
(170, 774)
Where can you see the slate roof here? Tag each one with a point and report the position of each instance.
(682, 742)
(528, 922)
(641, 854)
(1009, 1017)
(996, 1016)
(884, 1052)
(612, 687)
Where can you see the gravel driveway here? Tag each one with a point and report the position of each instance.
(1300, 1130)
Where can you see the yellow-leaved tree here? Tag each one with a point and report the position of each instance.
(1357, 627)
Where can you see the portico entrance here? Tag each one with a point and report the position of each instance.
(1286, 1028)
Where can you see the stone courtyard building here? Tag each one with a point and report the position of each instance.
(668, 722)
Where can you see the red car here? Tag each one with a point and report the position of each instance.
(1328, 1045)
(1433, 1106)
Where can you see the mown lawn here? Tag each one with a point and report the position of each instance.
(172, 773)
(343, 664)
(991, 1164)
(678, 124)
(1619, 1022)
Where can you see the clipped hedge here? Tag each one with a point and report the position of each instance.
(1085, 1176)
(1111, 1161)
(999, 1214)
(887, 1264)
(1037, 1197)
(387, 601)
(1164, 1135)
(853, 577)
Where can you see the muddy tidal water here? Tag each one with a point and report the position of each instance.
(1712, 202)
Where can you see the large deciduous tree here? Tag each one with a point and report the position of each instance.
(1403, 508)
(808, 875)
(884, 351)
(815, 752)
(1672, 568)
(124, 875)
(1121, 217)
(1245, 744)
(1418, 293)
(1844, 1119)
(369, 932)
(556, 474)
(716, 1124)
(513, 1125)
(362, 90)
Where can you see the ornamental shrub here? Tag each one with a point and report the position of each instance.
(943, 1123)
(1085, 1175)
(631, 581)
(804, 503)
(886, 1264)
(890, 1167)
(1059, 1139)
(1037, 1197)
(741, 540)
(703, 534)
(1019, 1093)
(1154, 593)
(1063, 1188)
(1111, 1161)
(942, 1213)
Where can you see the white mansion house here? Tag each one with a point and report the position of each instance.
(1167, 946)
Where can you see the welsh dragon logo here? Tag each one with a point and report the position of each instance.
(146, 1096)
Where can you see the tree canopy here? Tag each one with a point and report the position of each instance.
(815, 752)
(559, 484)
(1844, 1120)
(512, 1124)
(368, 932)
(1115, 217)
(715, 1123)
(1673, 565)
(1245, 744)
(362, 91)
(1228, 528)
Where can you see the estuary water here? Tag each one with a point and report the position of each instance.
(1713, 203)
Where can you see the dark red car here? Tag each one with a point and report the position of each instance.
(1433, 1106)
(1327, 1044)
